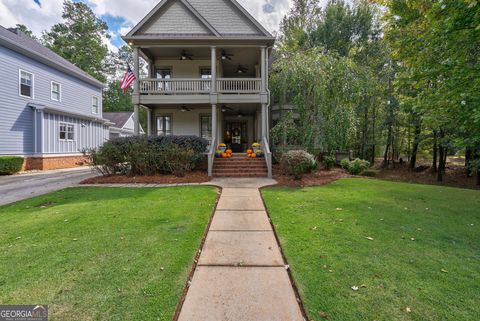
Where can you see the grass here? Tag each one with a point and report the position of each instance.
(422, 263)
(102, 253)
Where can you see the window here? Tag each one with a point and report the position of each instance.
(206, 127)
(67, 131)
(205, 73)
(95, 105)
(164, 125)
(26, 84)
(164, 73)
(55, 91)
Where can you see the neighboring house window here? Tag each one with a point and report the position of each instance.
(206, 127)
(67, 131)
(26, 84)
(164, 125)
(95, 105)
(206, 73)
(55, 91)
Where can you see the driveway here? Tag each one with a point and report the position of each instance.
(18, 187)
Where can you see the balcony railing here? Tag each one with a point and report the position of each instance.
(199, 86)
(239, 85)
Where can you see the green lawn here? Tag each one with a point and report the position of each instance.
(424, 255)
(102, 253)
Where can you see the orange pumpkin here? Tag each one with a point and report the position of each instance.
(253, 156)
(229, 151)
(224, 155)
(250, 151)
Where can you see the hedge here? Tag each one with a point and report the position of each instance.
(10, 165)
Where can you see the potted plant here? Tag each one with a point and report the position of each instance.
(222, 147)
(256, 147)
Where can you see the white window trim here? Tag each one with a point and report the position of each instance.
(20, 83)
(98, 105)
(66, 127)
(59, 91)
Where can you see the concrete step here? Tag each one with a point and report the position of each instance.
(241, 174)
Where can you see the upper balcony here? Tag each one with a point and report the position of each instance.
(203, 75)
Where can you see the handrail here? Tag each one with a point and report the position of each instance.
(239, 85)
(268, 156)
(175, 86)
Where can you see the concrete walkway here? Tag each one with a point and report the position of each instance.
(22, 186)
(241, 275)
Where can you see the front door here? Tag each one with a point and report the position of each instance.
(236, 135)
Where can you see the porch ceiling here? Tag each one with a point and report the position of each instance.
(231, 110)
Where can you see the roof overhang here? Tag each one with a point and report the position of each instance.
(58, 111)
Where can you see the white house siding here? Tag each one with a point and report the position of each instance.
(175, 18)
(88, 135)
(224, 17)
(16, 117)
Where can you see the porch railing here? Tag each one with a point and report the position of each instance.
(175, 86)
(200, 86)
(239, 85)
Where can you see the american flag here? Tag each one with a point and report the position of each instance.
(128, 79)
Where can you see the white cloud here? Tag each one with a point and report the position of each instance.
(42, 18)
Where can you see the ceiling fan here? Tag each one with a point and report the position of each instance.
(186, 56)
(242, 69)
(225, 109)
(184, 109)
(226, 56)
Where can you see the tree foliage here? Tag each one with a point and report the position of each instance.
(79, 39)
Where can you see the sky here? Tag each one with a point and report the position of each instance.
(120, 15)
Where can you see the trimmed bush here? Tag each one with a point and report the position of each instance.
(329, 162)
(297, 163)
(149, 155)
(10, 165)
(355, 167)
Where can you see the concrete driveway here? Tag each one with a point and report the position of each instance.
(18, 187)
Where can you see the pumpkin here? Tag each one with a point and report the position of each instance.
(250, 151)
(229, 151)
(224, 155)
(254, 155)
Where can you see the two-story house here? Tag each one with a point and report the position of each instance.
(207, 73)
(50, 110)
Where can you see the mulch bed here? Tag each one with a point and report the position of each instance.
(192, 177)
(317, 178)
(454, 177)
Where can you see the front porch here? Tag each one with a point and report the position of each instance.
(236, 125)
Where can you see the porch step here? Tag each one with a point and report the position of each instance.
(240, 166)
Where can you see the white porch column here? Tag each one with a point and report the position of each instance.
(149, 122)
(214, 69)
(136, 91)
(214, 122)
(264, 121)
(263, 71)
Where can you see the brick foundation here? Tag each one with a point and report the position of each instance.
(48, 163)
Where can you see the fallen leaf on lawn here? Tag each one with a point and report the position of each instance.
(444, 271)
(324, 266)
(381, 286)
(341, 220)
(323, 314)
(354, 288)
(408, 309)
(369, 238)
(75, 239)
(18, 237)
(413, 239)
(314, 228)
(331, 271)
(363, 286)
(287, 267)
(339, 209)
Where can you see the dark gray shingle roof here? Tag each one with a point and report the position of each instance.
(33, 49)
(119, 118)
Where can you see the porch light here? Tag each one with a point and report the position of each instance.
(240, 115)
(184, 109)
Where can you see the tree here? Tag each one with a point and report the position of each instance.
(24, 29)
(79, 38)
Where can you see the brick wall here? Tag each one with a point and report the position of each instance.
(60, 162)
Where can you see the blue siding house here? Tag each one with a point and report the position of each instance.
(50, 110)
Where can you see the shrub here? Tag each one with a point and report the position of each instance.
(10, 165)
(139, 155)
(297, 163)
(356, 166)
(329, 162)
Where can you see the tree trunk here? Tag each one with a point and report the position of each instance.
(434, 152)
(387, 147)
(416, 142)
(468, 158)
(441, 157)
